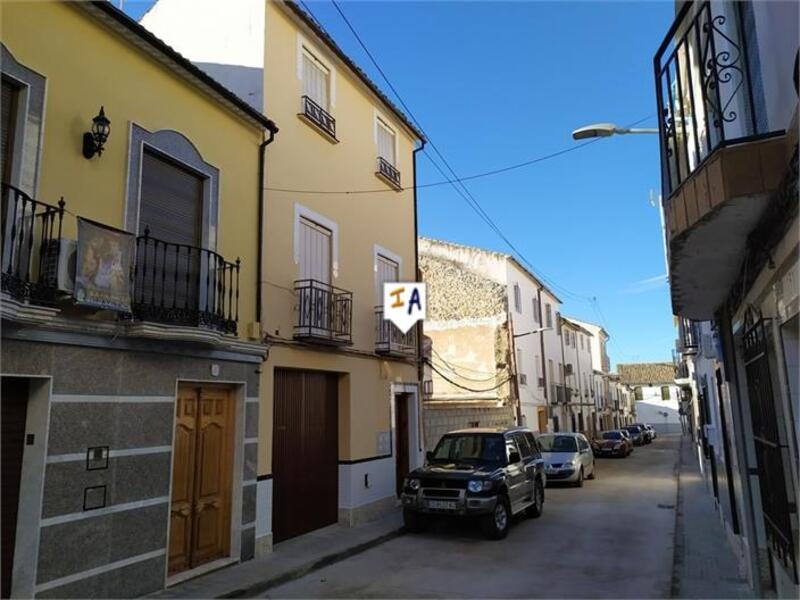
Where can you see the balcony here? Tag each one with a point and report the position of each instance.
(184, 285)
(174, 284)
(318, 117)
(687, 336)
(560, 394)
(390, 341)
(387, 172)
(324, 313)
(30, 247)
(721, 159)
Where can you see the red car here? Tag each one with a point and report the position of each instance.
(612, 443)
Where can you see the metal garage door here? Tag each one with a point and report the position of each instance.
(305, 452)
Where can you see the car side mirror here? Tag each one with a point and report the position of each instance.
(429, 455)
(513, 457)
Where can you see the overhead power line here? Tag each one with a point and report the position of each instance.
(463, 387)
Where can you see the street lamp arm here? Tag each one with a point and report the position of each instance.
(605, 130)
(540, 330)
(623, 130)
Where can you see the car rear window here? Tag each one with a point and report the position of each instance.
(612, 435)
(558, 443)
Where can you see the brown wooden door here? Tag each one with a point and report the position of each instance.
(14, 402)
(542, 420)
(201, 477)
(401, 427)
(305, 452)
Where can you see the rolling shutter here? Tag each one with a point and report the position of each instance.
(8, 104)
(171, 202)
(315, 80)
(315, 251)
(386, 143)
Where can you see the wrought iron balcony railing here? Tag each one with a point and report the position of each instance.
(688, 338)
(184, 285)
(31, 233)
(388, 171)
(390, 340)
(561, 394)
(318, 116)
(324, 313)
(704, 75)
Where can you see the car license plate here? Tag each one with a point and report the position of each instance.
(441, 504)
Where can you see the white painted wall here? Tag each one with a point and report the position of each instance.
(225, 39)
(649, 409)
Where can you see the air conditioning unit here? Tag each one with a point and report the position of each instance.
(58, 264)
(523, 379)
(568, 369)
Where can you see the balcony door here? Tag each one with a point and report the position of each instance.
(170, 265)
(8, 109)
(316, 301)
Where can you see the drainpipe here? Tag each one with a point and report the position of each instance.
(420, 365)
(262, 150)
(563, 364)
(578, 380)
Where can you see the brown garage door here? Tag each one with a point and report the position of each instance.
(305, 452)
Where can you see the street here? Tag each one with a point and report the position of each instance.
(612, 538)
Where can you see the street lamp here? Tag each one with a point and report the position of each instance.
(605, 130)
(541, 329)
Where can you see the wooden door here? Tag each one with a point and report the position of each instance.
(401, 428)
(201, 477)
(305, 452)
(14, 402)
(542, 420)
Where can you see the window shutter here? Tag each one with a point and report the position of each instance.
(315, 251)
(315, 81)
(386, 142)
(388, 270)
(8, 105)
(171, 202)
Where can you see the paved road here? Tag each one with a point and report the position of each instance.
(612, 538)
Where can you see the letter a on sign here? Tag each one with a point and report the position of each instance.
(404, 303)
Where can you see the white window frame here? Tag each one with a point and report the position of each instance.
(378, 250)
(304, 47)
(537, 314)
(380, 120)
(307, 213)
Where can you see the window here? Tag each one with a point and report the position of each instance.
(548, 314)
(315, 251)
(533, 445)
(637, 393)
(316, 80)
(511, 447)
(517, 298)
(665, 392)
(386, 142)
(537, 312)
(581, 338)
(536, 367)
(386, 270)
(550, 371)
(523, 380)
(558, 323)
(8, 105)
(524, 447)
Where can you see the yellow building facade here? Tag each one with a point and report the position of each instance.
(125, 385)
(340, 404)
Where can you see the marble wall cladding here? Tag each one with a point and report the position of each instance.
(131, 581)
(251, 419)
(248, 543)
(248, 504)
(250, 461)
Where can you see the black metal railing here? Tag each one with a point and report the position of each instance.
(390, 340)
(681, 366)
(181, 284)
(688, 340)
(324, 312)
(704, 73)
(561, 394)
(387, 170)
(31, 234)
(319, 116)
(772, 452)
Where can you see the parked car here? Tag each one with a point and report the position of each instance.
(567, 456)
(637, 437)
(612, 443)
(652, 431)
(646, 433)
(492, 473)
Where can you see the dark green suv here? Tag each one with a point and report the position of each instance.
(490, 473)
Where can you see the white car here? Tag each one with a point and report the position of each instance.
(567, 457)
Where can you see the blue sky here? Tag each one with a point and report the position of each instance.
(498, 83)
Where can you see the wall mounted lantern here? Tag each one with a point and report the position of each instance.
(94, 140)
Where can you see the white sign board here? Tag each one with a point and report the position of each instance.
(404, 303)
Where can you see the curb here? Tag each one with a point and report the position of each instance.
(677, 539)
(303, 570)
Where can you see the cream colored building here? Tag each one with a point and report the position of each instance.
(340, 389)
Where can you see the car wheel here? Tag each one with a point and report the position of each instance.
(414, 521)
(495, 524)
(535, 510)
(593, 475)
(579, 482)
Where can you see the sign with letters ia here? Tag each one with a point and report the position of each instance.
(404, 303)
